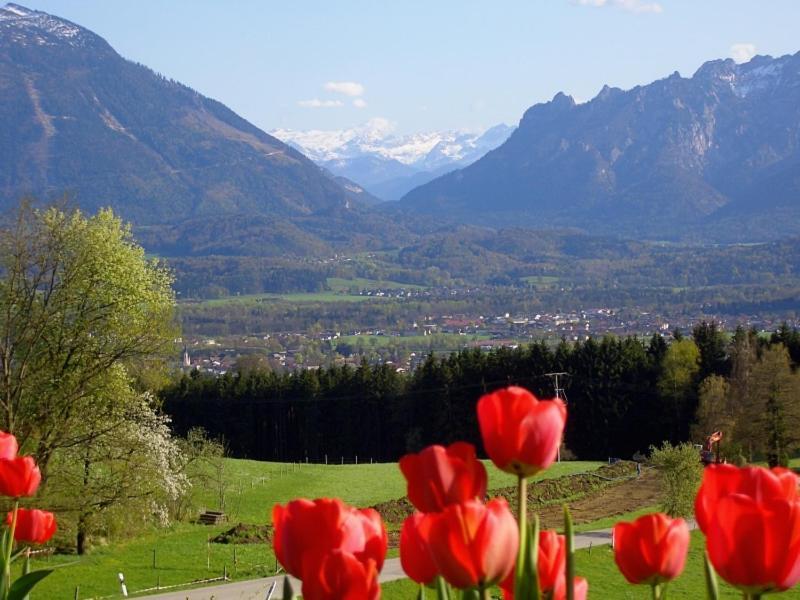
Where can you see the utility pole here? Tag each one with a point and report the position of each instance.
(561, 394)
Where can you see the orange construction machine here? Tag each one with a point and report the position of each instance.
(709, 454)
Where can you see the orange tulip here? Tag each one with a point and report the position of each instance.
(652, 549)
(521, 434)
(439, 476)
(19, 477)
(341, 576)
(8, 446)
(305, 531)
(415, 556)
(474, 545)
(551, 564)
(755, 482)
(755, 545)
(33, 526)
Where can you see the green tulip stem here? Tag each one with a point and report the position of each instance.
(570, 554)
(9, 550)
(522, 521)
(484, 593)
(659, 591)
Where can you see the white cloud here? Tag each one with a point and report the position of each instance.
(317, 103)
(633, 6)
(348, 88)
(742, 52)
(360, 103)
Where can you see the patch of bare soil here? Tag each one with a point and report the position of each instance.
(606, 491)
(608, 502)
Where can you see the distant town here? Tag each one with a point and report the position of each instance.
(407, 347)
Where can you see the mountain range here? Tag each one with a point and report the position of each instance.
(390, 165)
(714, 156)
(77, 118)
(711, 157)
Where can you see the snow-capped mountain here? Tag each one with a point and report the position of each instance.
(389, 164)
(25, 26)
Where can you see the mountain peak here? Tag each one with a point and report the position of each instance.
(23, 26)
(562, 99)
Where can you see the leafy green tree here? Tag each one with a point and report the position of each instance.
(680, 471)
(774, 406)
(84, 316)
(714, 412)
(679, 369)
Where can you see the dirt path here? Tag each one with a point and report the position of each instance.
(608, 502)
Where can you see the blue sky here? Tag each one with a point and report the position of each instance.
(423, 65)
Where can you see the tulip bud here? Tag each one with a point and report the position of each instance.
(439, 476)
(521, 434)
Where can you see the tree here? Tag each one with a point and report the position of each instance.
(680, 472)
(679, 369)
(83, 316)
(710, 341)
(714, 412)
(774, 406)
(78, 298)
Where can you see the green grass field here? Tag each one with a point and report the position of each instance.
(337, 284)
(183, 553)
(339, 292)
(422, 342)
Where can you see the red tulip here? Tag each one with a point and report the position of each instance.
(579, 584)
(755, 545)
(19, 477)
(8, 446)
(652, 549)
(551, 564)
(474, 544)
(415, 556)
(341, 576)
(520, 433)
(439, 476)
(33, 526)
(307, 530)
(756, 482)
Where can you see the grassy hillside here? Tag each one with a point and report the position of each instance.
(183, 552)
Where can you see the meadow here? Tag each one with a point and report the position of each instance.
(339, 291)
(182, 552)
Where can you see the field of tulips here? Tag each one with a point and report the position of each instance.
(458, 544)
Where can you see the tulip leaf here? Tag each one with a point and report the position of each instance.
(23, 585)
(570, 554)
(288, 592)
(712, 586)
(442, 590)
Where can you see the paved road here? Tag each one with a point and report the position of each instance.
(257, 589)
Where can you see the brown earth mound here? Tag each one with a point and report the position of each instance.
(245, 533)
(543, 493)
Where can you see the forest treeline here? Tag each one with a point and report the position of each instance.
(624, 395)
